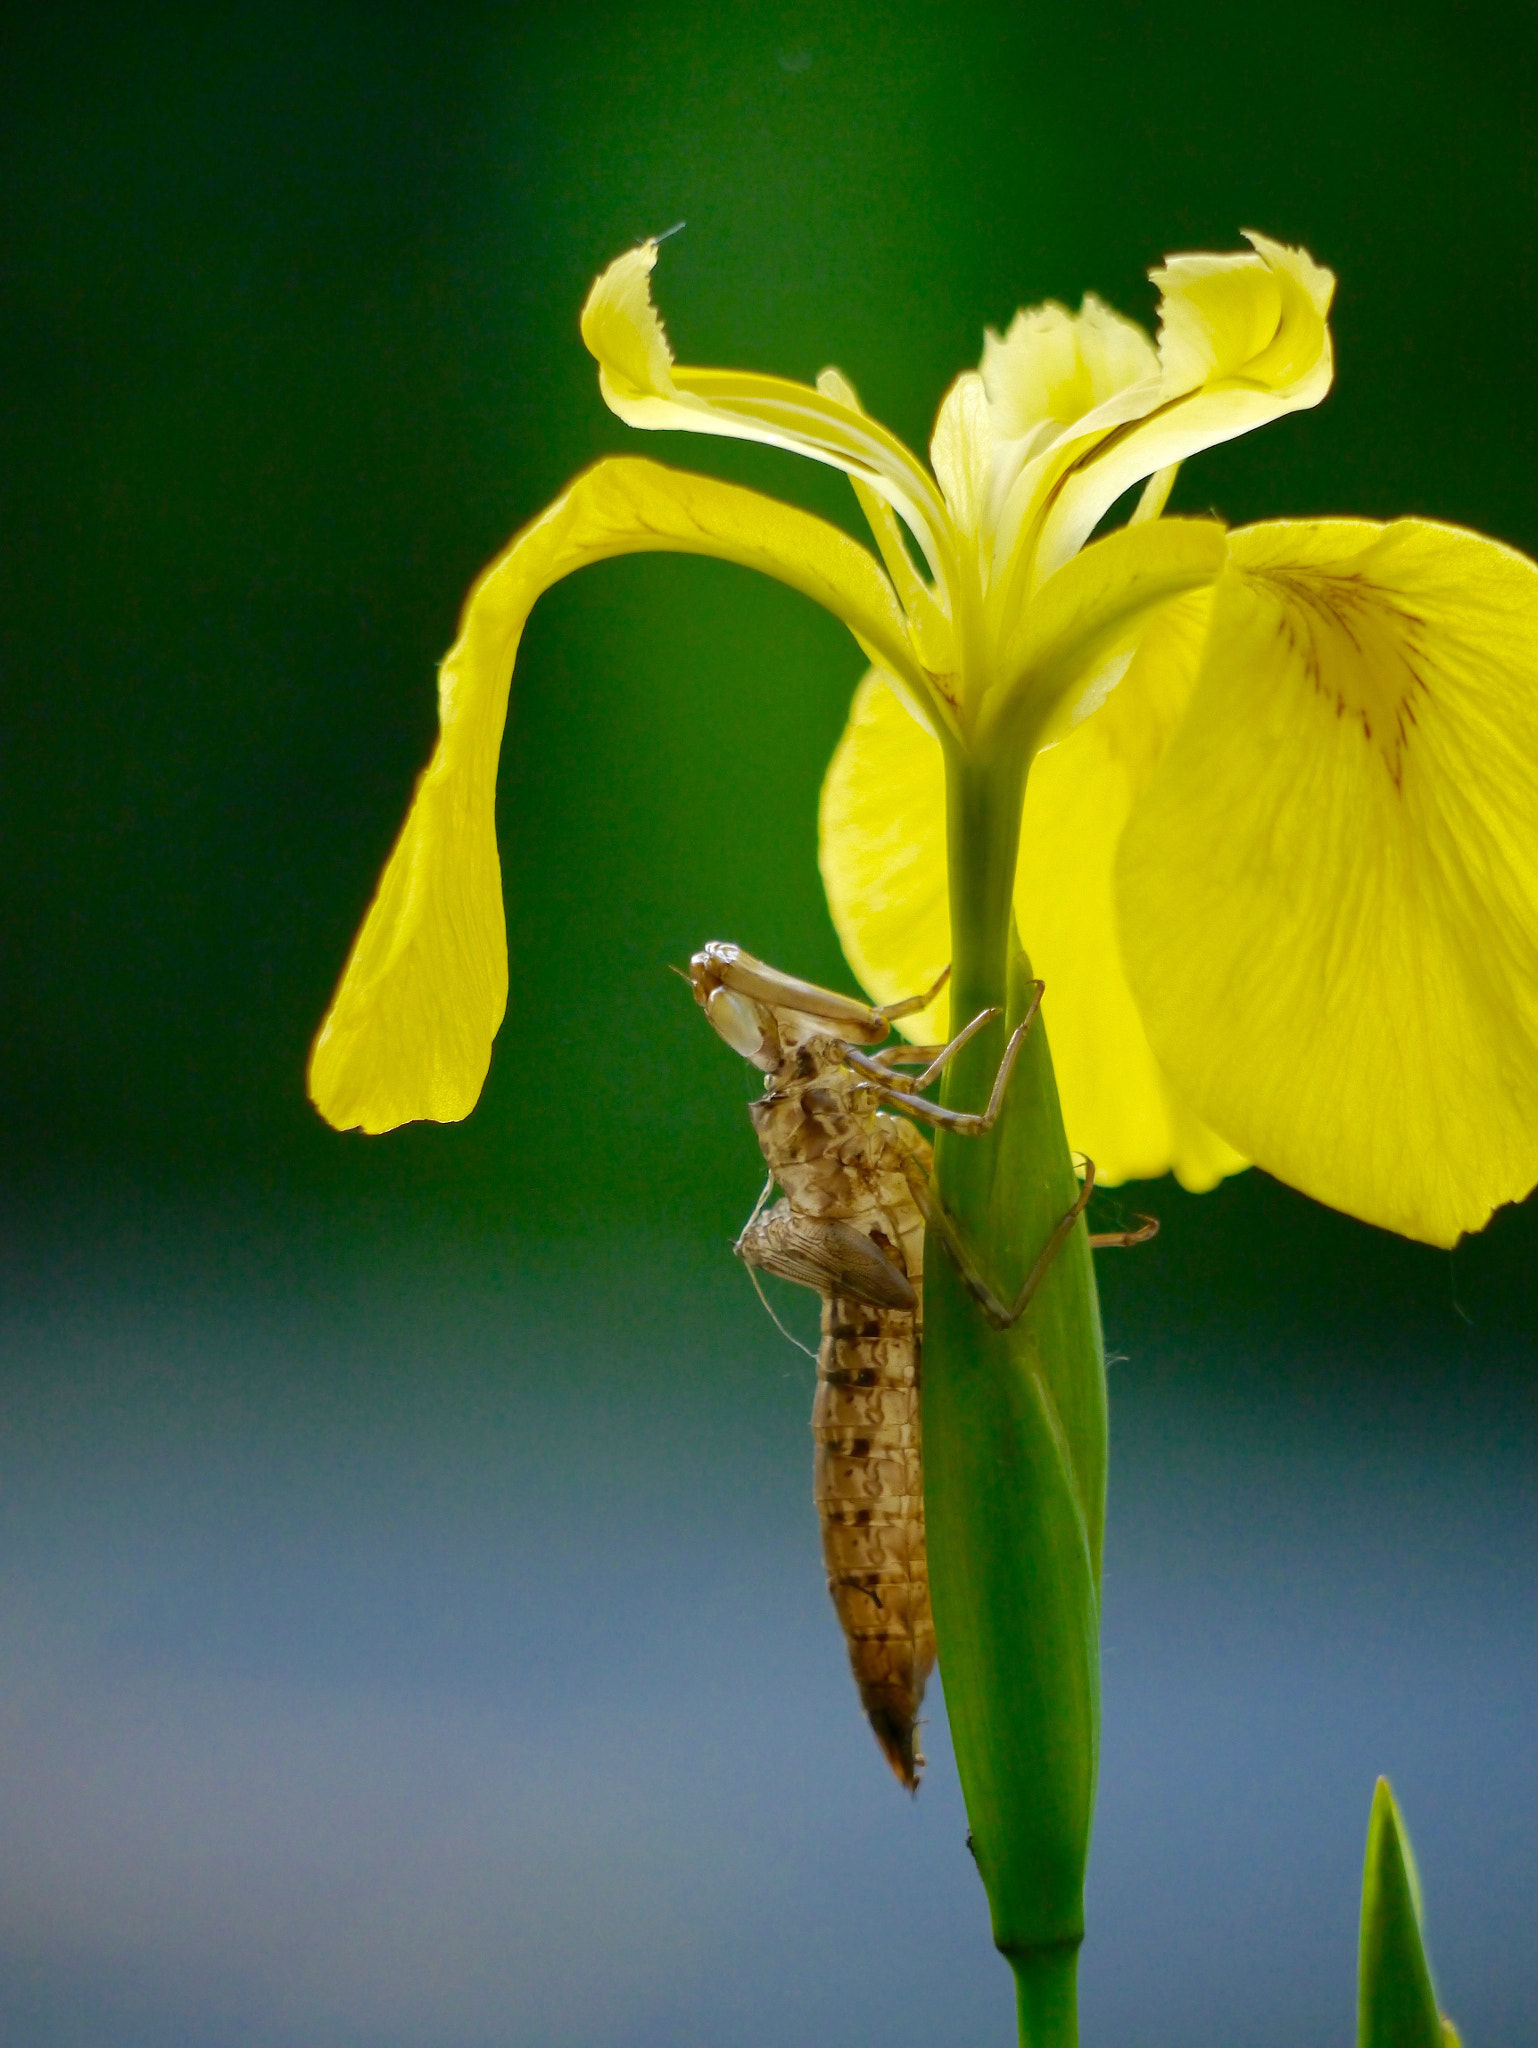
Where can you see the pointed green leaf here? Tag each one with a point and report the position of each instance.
(1396, 2006)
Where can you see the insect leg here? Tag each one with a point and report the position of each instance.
(971, 1123)
(944, 1056)
(903, 1055)
(911, 1005)
(1104, 1240)
(934, 1214)
(932, 1058)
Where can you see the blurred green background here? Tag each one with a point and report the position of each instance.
(415, 1630)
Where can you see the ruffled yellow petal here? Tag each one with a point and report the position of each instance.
(1258, 320)
(1328, 893)
(1052, 367)
(642, 384)
(409, 1031)
(1242, 340)
(1058, 385)
(884, 868)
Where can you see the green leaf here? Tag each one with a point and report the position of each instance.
(1396, 2004)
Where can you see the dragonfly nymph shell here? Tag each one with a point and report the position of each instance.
(857, 1195)
(868, 1463)
(848, 1226)
(868, 1486)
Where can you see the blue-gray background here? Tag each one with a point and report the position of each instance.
(413, 1629)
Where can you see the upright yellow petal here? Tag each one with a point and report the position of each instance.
(1243, 339)
(1058, 385)
(1052, 367)
(1328, 894)
(931, 630)
(961, 450)
(410, 1028)
(884, 867)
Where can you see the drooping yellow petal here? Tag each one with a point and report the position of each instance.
(409, 1031)
(1242, 340)
(1117, 1102)
(642, 384)
(884, 868)
(1328, 894)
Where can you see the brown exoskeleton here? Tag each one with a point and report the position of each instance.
(850, 1223)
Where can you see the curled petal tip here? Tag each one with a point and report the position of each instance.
(1251, 322)
(1313, 277)
(622, 331)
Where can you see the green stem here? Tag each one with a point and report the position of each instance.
(1015, 1450)
(1047, 1994)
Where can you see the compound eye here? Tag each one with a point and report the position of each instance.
(737, 1019)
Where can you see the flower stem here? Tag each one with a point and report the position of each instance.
(1015, 1449)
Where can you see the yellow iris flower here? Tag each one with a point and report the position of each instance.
(1279, 854)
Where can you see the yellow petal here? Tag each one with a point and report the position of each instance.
(929, 627)
(1328, 894)
(961, 450)
(641, 382)
(883, 864)
(1155, 495)
(1117, 1102)
(1258, 319)
(1058, 383)
(881, 830)
(621, 329)
(409, 1031)
(1243, 339)
(1053, 367)
(1094, 608)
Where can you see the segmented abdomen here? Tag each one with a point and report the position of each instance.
(868, 1483)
